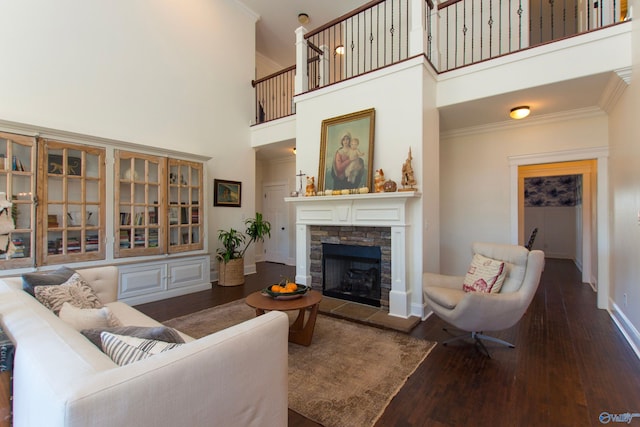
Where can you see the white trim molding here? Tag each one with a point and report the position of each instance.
(601, 154)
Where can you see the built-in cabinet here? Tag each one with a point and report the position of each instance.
(140, 194)
(185, 196)
(17, 182)
(71, 203)
(145, 213)
(141, 283)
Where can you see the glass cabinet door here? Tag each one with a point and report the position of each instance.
(71, 203)
(17, 182)
(140, 203)
(184, 214)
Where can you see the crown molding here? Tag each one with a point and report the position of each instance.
(79, 138)
(618, 82)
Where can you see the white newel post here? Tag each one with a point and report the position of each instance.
(324, 66)
(417, 32)
(301, 80)
(434, 33)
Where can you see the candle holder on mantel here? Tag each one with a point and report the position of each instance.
(301, 189)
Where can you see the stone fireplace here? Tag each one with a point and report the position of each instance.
(352, 263)
(377, 220)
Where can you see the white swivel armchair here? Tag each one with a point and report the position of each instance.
(476, 312)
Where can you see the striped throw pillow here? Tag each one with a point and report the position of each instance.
(124, 350)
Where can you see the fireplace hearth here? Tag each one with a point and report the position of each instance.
(352, 273)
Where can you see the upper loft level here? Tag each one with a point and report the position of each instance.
(461, 40)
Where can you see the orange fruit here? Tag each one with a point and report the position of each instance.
(276, 288)
(291, 287)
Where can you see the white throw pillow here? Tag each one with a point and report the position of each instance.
(75, 291)
(124, 350)
(87, 318)
(484, 275)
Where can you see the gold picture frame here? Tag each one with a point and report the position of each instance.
(350, 165)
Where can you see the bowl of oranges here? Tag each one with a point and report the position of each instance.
(285, 290)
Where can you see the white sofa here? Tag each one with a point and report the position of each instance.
(235, 377)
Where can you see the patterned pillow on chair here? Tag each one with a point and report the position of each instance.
(484, 275)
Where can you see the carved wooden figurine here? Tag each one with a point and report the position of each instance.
(408, 179)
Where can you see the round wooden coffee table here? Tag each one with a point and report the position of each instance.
(300, 332)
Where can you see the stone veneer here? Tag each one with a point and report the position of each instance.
(357, 236)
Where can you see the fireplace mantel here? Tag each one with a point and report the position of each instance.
(360, 210)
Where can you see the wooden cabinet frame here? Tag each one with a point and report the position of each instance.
(140, 204)
(185, 208)
(18, 181)
(70, 215)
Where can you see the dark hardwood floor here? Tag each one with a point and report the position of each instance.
(570, 363)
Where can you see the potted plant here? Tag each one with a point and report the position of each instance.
(231, 254)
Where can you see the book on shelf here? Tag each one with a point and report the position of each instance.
(16, 164)
(91, 243)
(139, 220)
(73, 245)
(124, 239)
(125, 218)
(52, 221)
(19, 246)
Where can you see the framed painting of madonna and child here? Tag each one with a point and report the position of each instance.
(346, 151)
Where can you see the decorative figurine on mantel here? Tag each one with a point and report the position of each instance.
(311, 186)
(408, 180)
(378, 181)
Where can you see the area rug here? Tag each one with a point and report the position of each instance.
(351, 371)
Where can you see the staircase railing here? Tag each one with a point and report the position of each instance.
(455, 34)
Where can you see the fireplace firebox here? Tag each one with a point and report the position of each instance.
(352, 273)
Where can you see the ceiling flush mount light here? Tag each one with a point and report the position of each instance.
(519, 112)
(340, 49)
(303, 18)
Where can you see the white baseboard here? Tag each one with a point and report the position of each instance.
(630, 333)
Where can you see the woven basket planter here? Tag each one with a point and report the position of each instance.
(231, 273)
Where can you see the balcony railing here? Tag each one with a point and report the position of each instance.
(472, 31)
(371, 37)
(454, 34)
(274, 95)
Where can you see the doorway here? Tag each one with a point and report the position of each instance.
(276, 212)
(585, 213)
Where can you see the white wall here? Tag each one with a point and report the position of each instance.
(154, 72)
(556, 230)
(625, 200)
(401, 116)
(475, 180)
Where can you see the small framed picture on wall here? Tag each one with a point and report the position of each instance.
(227, 193)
